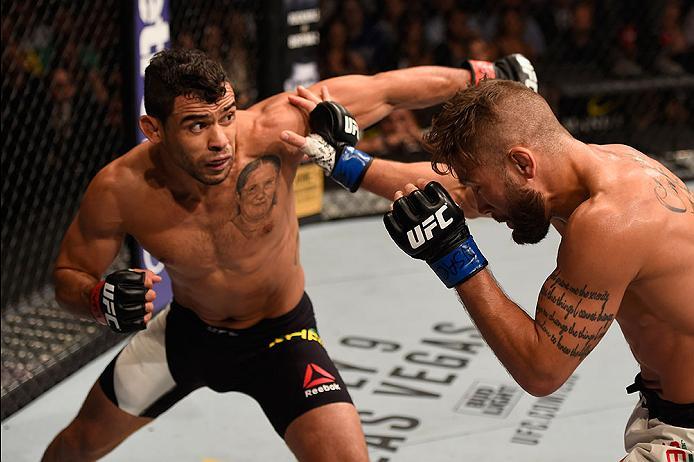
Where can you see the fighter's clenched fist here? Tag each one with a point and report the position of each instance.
(427, 224)
(123, 300)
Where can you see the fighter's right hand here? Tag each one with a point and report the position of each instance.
(123, 301)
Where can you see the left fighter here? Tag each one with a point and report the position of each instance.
(210, 195)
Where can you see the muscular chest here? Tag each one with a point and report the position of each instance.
(237, 221)
(664, 298)
(204, 236)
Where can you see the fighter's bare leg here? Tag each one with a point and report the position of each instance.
(99, 427)
(328, 433)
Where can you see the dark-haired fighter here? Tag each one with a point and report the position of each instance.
(210, 195)
(626, 254)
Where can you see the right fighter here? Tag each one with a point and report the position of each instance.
(626, 253)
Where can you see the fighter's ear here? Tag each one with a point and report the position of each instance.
(523, 161)
(151, 127)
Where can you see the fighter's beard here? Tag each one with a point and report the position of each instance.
(527, 214)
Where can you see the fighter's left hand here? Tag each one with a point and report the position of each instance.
(334, 133)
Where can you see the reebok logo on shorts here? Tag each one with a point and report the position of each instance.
(318, 380)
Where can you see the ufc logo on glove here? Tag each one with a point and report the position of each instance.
(107, 299)
(450, 252)
(424, 232)
(351, 127)
(119, 301)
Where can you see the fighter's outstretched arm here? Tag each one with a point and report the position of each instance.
(368, 98)
(350, 101)
(384, 177)
(371, 98)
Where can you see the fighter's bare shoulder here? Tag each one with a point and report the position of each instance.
(602, 242)
(124, 178)
(262, 124)
(617, 222)
(643, 180)
(598, 218)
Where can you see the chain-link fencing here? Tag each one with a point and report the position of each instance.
(65, 103)
(62, 120)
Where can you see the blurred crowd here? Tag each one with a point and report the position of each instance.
(567, 40)
(67, 56)
(230, 38)
(59, 65)
(62, 120)
(576, 39)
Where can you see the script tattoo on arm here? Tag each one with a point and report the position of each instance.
(573, 317)
(670, 191)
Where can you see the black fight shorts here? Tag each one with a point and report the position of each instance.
(280, 362)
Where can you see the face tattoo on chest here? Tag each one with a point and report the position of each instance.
(256, 194)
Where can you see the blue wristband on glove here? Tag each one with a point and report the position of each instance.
(351, 167)
(460, 264)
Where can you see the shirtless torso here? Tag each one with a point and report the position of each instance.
(626, 253)
(230, 248)
(656, 314)
(232, 272)
(231, 253)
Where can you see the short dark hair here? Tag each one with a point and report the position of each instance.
(175, 72)
(479, 123)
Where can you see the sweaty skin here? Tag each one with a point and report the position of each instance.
(232, 256)
(626, 254)
(656, 313)
(218, 265)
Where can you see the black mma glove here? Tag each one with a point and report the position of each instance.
(334, 123)
(514, 67)
(119, 301)
(427, 224)
(331, 145)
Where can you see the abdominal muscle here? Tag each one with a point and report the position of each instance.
(664, 354)
(228, 280)
(228, 298)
